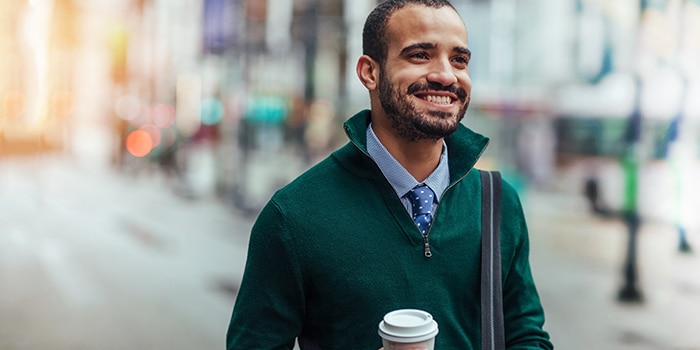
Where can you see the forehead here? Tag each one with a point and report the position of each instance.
(415, 23)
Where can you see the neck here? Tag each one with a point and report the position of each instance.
(420, 158)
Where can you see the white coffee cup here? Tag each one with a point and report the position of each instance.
(408, 329)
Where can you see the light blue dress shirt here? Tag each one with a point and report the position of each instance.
(400, 179)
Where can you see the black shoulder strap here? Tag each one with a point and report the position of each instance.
(492, 333)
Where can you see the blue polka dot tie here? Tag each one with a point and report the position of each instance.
(422, 200)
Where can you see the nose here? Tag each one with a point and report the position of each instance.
(441, 71)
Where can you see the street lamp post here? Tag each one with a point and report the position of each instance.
(630, 165)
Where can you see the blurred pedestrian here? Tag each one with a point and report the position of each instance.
(337, 248)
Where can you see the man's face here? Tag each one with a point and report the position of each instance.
(424, 85)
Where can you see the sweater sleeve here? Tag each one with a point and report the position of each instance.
(523, 312)
(268, 311)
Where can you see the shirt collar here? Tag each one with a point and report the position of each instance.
(399, 178)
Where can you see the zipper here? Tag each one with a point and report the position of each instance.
(426, 247)
(426, 242)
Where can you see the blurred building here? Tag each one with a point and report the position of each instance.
(559, 72)
(38, 42)
(235, 97)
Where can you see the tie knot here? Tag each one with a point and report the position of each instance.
(422, 200)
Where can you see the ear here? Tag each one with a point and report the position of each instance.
(368, 71)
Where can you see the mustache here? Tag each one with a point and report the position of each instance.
(433, 86)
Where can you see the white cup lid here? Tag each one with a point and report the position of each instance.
(408, 326)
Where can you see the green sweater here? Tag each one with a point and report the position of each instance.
(335, 250)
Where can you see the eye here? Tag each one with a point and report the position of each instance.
(421, 55)
(461, 61)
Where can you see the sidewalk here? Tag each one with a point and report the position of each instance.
(577, 261)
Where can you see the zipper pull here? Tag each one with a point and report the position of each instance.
(426, 247)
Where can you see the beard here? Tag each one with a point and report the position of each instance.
(414, 125)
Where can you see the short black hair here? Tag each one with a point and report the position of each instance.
(374, 42)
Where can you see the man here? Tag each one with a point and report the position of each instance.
(337, 248)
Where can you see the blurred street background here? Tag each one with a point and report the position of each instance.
(140, 138)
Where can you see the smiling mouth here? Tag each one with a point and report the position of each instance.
(441, 100)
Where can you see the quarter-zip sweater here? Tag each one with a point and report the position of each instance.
(335, 250)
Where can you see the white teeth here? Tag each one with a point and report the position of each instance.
(443, 100)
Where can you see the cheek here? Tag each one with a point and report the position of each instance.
(466, 81)
(403, 76)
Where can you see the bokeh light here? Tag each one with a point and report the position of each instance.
(212, 111)
(14, 103)
(139, 143)
(154, 132)
(163, 115)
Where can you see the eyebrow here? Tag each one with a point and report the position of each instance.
(464, 50)
(430, 46)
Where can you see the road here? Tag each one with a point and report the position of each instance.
(91, 259)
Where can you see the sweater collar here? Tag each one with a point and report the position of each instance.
(465, 145)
